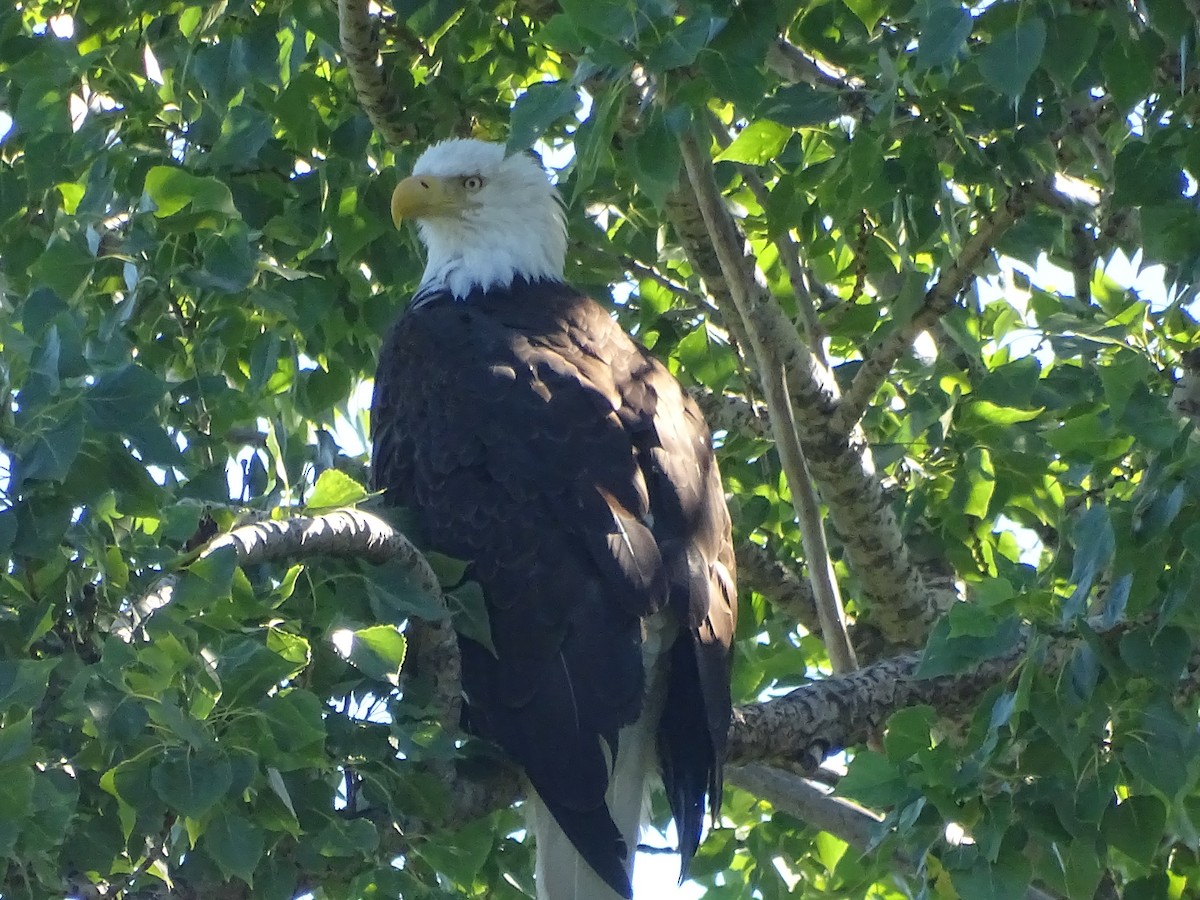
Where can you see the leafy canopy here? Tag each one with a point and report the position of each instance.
(196, 267)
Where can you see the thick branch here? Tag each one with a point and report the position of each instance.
(746, 292)
(901, 605)
(806, 726)
(792, 64)
(732, 413)
(360, 47)
(939, 300)
(351, 533)
(813, 805)
(820, 718)
(342, 532)
(759, 570)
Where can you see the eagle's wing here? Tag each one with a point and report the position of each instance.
(538, 441)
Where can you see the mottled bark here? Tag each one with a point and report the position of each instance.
(820, 718)
(360, 47)
(901, 605)
(759, 570)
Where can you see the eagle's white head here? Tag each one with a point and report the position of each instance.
(484, 217)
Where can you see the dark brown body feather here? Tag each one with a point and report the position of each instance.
(536, 440)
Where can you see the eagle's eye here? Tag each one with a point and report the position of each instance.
(473, 182)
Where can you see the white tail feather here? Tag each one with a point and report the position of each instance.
(561, 872)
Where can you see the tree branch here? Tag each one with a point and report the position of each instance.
(760, 571)
(747, 293)
(901, 606)
(360, 47)
(820, 718)
(732, 413)
(813, 805)
(1185, 399)
(806, 726)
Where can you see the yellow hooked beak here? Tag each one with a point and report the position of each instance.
(424, 195)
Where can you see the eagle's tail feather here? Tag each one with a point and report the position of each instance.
(562, 873)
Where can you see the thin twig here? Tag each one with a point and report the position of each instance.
(939, 300)
(790, 256)
(816, 807)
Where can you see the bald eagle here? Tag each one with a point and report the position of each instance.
(535, 439)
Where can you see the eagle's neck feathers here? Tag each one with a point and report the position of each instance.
(492, 250)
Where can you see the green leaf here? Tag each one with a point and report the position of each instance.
(395, 595)
(800, 106)
(296, 719)
(464, 854)
(869, 12)
(191, 782)
(179, 724)
(908, 732)
(982, 477)
(244, 131)
(1011, 58)
(173, 190)
(378, 652)
(1070, 44)
(48, 456)
(965, 637)
(1160, 655)
(230, 261)
(561, 33)
(872, 779)
(1090, 436)
(655, 157)
(1146, 174)
(758, 143)
(537, 109)
(1130, 70)
(350, 838)
(609, 20)
(1005, 879)
(594, 137)
(1094, 543)
(64, 267)
(126, 396)
(684, 42)
(983, 411)
(23, 682)
(449, 570)
(706, 360)
(16, 800)
(334, 489)
(1159, 749)
(236, 845)
(8, 530)
(248, 669)
(207, 581)
(468, 612)
(1135, 827)
(16, 740)
(945, 27)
